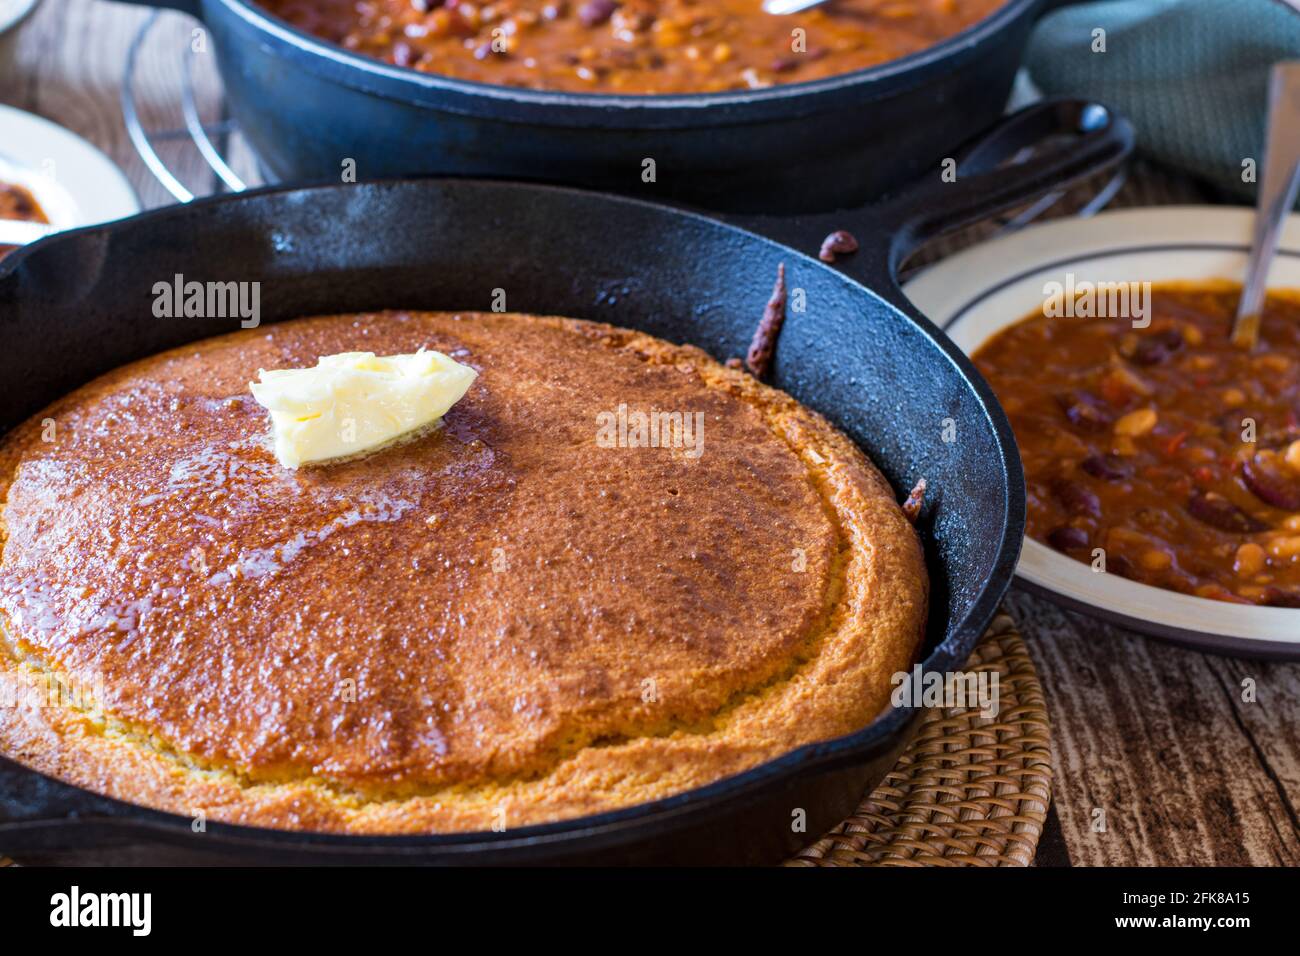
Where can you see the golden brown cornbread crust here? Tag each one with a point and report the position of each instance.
(498, 622)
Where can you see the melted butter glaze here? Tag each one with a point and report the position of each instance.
(497, 591)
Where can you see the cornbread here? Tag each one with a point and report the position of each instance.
(499, 622)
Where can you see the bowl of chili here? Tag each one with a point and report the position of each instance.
(1162, 463)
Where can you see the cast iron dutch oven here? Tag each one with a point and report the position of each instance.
(307, 105)
(77, 305)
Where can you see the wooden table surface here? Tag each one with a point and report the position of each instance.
(1158, 756)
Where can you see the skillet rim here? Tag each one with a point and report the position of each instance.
(619, 826)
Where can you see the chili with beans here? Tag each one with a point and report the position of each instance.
(632, 46)
(17, 203)
(1167, 448)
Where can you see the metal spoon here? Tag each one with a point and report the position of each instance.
(1276, 197)
(19, 232)
(781, 8)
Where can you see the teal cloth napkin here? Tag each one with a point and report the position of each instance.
(1192, 75)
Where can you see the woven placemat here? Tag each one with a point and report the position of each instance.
(969, 790)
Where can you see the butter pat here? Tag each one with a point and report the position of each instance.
(356, 401)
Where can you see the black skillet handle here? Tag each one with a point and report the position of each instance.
(1065, 140)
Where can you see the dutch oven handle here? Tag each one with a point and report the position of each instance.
(1070, 140)
(1065, 140)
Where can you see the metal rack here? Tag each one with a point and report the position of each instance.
(212, 140)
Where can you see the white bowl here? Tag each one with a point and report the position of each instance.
(976, 293)
(12, 12)
(73, 182)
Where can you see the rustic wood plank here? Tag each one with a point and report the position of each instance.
(1159, 738)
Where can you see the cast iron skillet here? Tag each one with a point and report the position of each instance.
(76, 305)
(307, 105)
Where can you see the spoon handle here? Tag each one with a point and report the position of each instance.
(1276, 196)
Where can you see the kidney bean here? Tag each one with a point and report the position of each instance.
(1118, 564)
(1068, 538)
(1076, 499)
(1154, 349)
(1270, 485)
(841, 242)
(1085, 410)
(595, 12)
(1106, 467)
(1213, 509)
(1277, 597)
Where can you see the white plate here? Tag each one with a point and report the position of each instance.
(74, 183)
(12, 12)
(978, 292)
